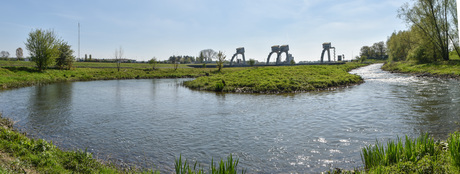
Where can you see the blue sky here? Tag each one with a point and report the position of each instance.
(153, 28)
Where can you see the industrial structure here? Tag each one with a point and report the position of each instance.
(327, 47)
(239, 50)
(279, 50)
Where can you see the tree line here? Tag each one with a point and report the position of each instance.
(376, 51)
(432, 35)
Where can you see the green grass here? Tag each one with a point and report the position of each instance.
(450, 69)
(279, 79)
(418, 155)
(93, 64)
(43, 156)
(230, 166)
(13, 77)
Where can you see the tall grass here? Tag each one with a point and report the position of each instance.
(411, 150)
(454, 148)
(224, 167)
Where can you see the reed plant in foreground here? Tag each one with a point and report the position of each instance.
(411, 150)
(224, 167)
(454, 148)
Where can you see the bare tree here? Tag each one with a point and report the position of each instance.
(118, 57)
(4, 54)
(19, 53)
(208, 54)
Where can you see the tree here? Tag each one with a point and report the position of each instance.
(252, 62)
(431, 17)
(208, 55)
(153, 62)
(220, 60)
(4, 54)
(200, 58)
(43, 47)
(365, 51)
(65, 58)
(118, 57)
(176, 63)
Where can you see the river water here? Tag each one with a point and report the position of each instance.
(148, 122)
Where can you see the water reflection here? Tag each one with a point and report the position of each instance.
(52, 107)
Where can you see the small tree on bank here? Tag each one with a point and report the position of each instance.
(220, 60)
(252, 62)
(65, 59)
(153, 62)
(43, 46)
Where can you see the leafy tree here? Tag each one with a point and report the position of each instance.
(431, 17)
(65, 59)
(252, 62)
(220, 60)
(153, 62)
(43, 47)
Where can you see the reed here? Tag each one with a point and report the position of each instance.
(454, 148)
(412, 150)
(230, 166)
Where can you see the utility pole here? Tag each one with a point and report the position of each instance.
(79, 41)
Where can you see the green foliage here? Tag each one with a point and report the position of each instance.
(12, 77)
(394, 152)
(220, 60)
(224, 167)
(153, 62)
(43, 46)
(434, 31)
(252, 62)
(449, 69)
(419, 155)
(65, 59)
(279, 79)
(454, 148)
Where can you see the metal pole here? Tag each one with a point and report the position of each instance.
(79, 40)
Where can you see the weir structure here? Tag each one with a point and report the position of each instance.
(279, 50)
(239, 50)
(326, 47)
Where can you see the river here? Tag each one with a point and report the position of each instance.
(151, 122)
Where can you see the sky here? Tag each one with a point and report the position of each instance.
(159, 28)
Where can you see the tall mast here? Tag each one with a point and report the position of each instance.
(79, 40)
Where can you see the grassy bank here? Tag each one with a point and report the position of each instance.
(442, 69)
(13, 77)
(20, 154)
(413, 155)
(279, 79)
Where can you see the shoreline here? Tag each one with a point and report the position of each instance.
(432, 70)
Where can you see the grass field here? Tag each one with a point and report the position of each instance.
(448, 69)
(279, 79)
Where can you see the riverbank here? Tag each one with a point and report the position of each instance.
(20, 154)
(444, 69)
(286, 79)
